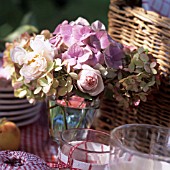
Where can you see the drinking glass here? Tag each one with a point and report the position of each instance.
(140, 147)
(84, 149)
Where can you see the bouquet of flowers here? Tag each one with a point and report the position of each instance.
(79, 59)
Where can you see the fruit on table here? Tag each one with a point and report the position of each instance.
(9, 135)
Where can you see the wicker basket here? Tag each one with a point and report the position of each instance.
(138, 27)
(111, 116)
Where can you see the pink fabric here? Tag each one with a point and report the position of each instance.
(162, 7)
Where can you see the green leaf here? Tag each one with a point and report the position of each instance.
(46, 89)
(151, 83)
(20, 93)
(141, 50)
(142, 84)
(143, 98)
(132, 81)
(70, 88)
(73, 75)
(69, 81)
(55, 83)
(37, 90)
(28, 18)
(138, 70)
(58, 68)
(138, 63)
(144, 57)
(119, 75)
(20, 78)
(154, 71)
(50, 66)
(110, 86)
(20, 30)
(153, 64)
(136, 56)
(128, 87)
(49, 77)
(58, 65)
(110, 73)
(131, 67)
(43, 82)
(62, 83)
(52, 91)
(62, 91)
(147, 68)
(146, 51)
(146, 88)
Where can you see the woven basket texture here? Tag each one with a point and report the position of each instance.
(137, 27)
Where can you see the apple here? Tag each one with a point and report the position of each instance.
(9, 135)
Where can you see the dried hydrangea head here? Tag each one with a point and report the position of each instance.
(138, 78)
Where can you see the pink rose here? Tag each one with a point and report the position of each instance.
(90, 81)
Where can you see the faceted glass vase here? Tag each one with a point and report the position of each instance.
(75, 113)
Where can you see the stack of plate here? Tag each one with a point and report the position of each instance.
(17, 110)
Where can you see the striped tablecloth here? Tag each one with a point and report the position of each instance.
(35, 139)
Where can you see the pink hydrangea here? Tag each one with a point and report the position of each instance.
(79, 43)
(113, 55)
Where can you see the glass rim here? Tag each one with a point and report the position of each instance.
(135, 152)
(85, 129)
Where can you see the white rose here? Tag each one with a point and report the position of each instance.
(18, 55)
(42, 47)
(36, 65)
(90, 81)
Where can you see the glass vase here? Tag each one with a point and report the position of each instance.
(75, 113)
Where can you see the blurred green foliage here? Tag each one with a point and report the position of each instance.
(46, 14)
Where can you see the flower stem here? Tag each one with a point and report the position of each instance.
(82, 118)
(65, 119)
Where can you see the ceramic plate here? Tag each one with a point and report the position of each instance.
(15, 106)
(7, 95)
(24, 116)
(13, 101)
(23, 111)
(7, 89)
(28, 121)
